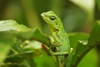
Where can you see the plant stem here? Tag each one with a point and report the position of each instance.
(58, 61)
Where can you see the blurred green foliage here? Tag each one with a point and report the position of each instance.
(76, 15)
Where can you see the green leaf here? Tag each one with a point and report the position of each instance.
(94, 38)
(31, 62)
(11, 25)
(8, 28)
(12, 65)
(33, 45)
(79, 52)
(90, 59)
(19, 58)
(16, 47)
(36, 34)
(84, 47)
(75, 37)
(5, 44)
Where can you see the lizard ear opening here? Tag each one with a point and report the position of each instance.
(56, 24)
(52, 18)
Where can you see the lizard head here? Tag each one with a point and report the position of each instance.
(52, 20)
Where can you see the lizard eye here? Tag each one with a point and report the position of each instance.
(52, 18)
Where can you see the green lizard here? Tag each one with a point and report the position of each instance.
(61, 40)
